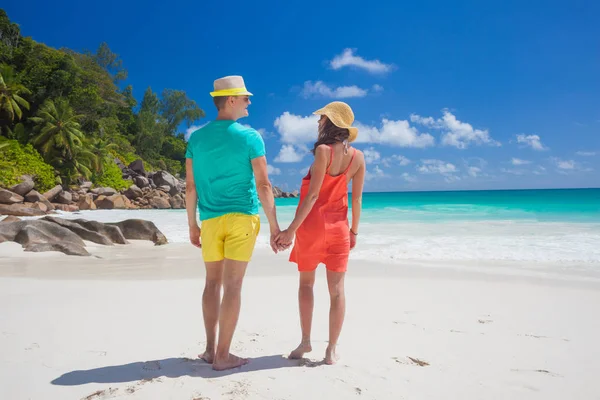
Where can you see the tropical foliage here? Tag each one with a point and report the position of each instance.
(75, 111)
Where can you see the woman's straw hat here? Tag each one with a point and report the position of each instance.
(341, 115)
(230, 86)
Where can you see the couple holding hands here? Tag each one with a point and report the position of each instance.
(226, 176)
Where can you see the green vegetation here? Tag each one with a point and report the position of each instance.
(67, 112)
(18, 160)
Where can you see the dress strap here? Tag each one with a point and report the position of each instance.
(349, 164)
(330, 159)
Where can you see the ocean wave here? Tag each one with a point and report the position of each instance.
(393, 240)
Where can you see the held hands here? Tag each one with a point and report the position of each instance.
(281, 240)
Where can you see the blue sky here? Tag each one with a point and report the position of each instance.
(447, 95)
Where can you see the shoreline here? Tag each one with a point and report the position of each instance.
(143, 260)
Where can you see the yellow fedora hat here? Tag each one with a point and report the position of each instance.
(341, 115)
(230, 86)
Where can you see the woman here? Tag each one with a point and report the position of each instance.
(321, 221)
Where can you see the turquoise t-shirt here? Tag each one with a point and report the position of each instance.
(221, 153)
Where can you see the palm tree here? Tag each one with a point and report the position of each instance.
(103, 150)
(10, 94)
(59, 132)
(82, 165)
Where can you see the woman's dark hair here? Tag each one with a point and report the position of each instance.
(330, 134)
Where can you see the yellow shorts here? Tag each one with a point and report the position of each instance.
(229, 236)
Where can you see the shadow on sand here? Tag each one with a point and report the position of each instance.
(170, 368)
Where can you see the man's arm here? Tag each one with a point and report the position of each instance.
(191, 203)
(265, 193)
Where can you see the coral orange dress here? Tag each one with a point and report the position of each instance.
(324, 236)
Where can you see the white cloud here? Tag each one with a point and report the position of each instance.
(456, 133)
(321, 89)
(586, 153)
(396, 158)
(532, 141)
(375, 174)
(291, 154)
(271, 170)
(371, 155)
(451, 178)
(297, 129)
(426, 121)
(436, 167)
(474, 171)
(539, 170)
(377, 88)
(565, 164)
(349, 59)
(192, 129)
(518, 161)
(396, 133)
(304, 171)
(512, 171)
(408, 177)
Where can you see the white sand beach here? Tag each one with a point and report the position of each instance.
(127, 323)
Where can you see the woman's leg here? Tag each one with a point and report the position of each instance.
(306, 302)
(337, 310)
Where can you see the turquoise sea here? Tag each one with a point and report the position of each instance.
(550, 205)
(524, 228)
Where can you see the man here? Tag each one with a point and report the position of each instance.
(225, 168)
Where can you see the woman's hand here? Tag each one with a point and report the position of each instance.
(352, 239)
(285, 238)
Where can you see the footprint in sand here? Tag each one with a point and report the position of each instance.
(544, 337)
(413, 361)
(33, 346)
(305, 362)
(101, 394)
(540, 371)
(241, 389)
(484, 321)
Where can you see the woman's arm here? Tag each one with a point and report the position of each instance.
(319, 168)
(358, 182)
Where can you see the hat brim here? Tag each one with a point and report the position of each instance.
(231, 92)
(352, 129)
(353, 134)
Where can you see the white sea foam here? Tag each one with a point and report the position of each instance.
(479, 240)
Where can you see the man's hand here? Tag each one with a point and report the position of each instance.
(273, 240)
(285, 238)
(195, 236)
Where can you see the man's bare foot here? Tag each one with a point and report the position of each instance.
(302, 348)
(208, 356)
(331, 356)
(228, 363)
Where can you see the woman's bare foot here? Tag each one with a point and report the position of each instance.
(230, 362)
(208, 356)
(331, 356)
(302, 348)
